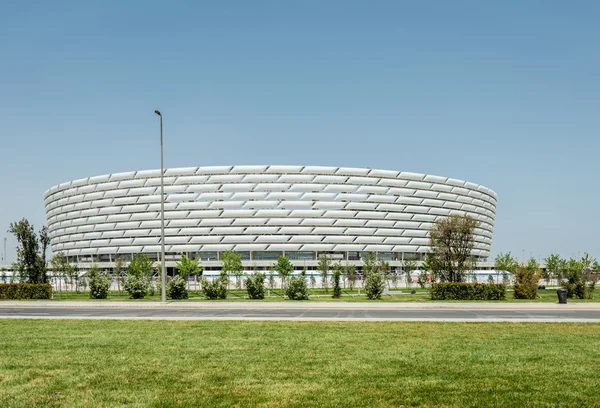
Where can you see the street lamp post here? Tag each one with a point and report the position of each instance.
(163, 269)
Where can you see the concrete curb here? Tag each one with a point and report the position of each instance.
(302, 305)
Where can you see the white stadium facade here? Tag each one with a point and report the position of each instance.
(262, 212)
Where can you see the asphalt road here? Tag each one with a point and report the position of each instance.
(307, 314)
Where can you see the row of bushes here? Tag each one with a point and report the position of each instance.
(468, 291)
(19, 291)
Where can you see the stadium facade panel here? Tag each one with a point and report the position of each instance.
(261, 212)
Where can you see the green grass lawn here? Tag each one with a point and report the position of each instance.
(318, 295)
(54, 363)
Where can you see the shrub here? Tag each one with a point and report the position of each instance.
(526, 281)
(137, 287)
(19, 291)
(99, 284)
(255, 285)
(337, 290)
(177, 288)
(467, 291)
(297, 288)
(217, 288)
(374, 285)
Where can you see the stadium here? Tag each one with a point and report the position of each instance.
(262, 212)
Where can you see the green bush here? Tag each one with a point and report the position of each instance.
(99, 284)
(526, 282)
(217, 288)
(374, 285)
(467, 291)
(337, 290)
(137, 287)
(19, 291)
(177, 288)
(255, 285)
(297, 288)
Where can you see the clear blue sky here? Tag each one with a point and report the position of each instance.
(504, 94)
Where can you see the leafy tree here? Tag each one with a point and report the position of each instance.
(313, 281)
(284, 268)
(337, 274)
(217, 288)
(60, 266)
(255, 285)
(139, 272)
(323, 267)
(31, 259)
(554, 266)
(118, 272)
(579, 277)
(374, 276)
(410, 264)
(451, 241)
(99, 283)
(526, 280)
(296, 288)
(232, 264)
(350, 272)
(385, 269)
(271, 281)
(187, 267)
(505, 263)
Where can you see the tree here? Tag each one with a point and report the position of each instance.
(297, 289)
(188, 267)
(410, 264)
(255, 285)
(451, 241)
(284, 268)
(554, 264)
(385, 269)
(350, 272)
(118, 271)
(60, 266)
(505, 263)
(374, 276)
(526, 280)
(31, 259)
(217, 288)
(579, 277)
(232, 263)
(139, 272)
(99, 283)
(337, 273)
(323, 268)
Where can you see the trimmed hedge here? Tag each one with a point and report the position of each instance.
(19, 291)
(468, 291)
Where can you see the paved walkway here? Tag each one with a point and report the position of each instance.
(308, 311)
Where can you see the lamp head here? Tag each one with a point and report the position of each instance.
(157, 112)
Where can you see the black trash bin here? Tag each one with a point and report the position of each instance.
(562, 295)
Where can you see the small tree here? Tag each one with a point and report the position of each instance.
(505, 263)
(554, 266)
(374, 279)
(217, 288)
(284, 268)
(323, 268)
(99, 283)
(255, 285)
(313, 281)
(139, 272)
(297, 289)
(232, 264)
(187, 267)
(60, 266)
(451, 241)
(350, 272)
(337, 273)
(526, 280)
(579, 277)
(410, 264)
